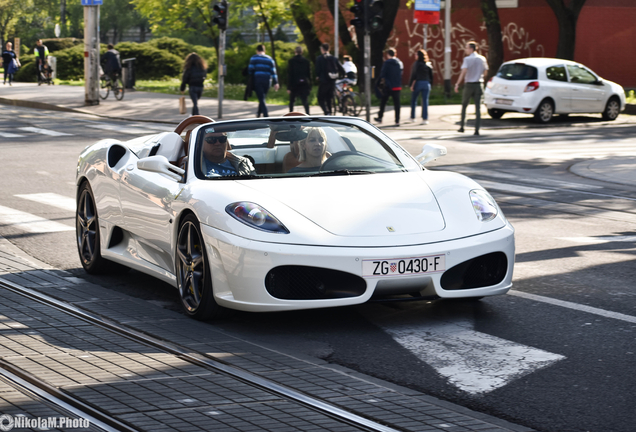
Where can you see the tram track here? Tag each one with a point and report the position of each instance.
(106, 422)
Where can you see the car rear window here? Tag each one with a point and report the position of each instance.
(517, 72)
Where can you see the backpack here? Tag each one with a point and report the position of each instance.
(334, 70)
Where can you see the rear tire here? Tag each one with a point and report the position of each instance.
(544, 112)
(612, 109)
(348, 106)
(118, 89)
(194, 279)
(495, 113)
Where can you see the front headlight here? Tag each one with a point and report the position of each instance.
(484, 205)
(256, 217)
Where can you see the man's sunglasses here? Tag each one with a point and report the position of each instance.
(213, 139)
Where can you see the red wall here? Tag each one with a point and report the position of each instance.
(606, 35)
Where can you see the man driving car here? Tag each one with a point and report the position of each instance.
(218, 161)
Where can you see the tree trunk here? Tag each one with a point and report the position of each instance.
(567, 16)
(493, 27)
(269, 32)
(306, 27)
(63, 16)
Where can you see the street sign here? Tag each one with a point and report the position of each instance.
(426, 17)
(427, 5)
(91, 2)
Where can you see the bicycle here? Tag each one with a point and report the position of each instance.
(346, 101)
(106, 84)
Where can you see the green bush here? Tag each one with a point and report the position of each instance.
(70, 62)
(173, 45)
(151, 62)
(27, 71)
(61, 44)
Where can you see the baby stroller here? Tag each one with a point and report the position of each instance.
(46, 74)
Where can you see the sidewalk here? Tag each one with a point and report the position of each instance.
(163, 108)
(153, 390)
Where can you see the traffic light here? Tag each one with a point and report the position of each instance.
(376, 7)
(358, 11)
(221, 15)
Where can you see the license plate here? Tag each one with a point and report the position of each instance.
(503, 101)
(403, 266)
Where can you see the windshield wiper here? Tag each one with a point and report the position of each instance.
(341, 172)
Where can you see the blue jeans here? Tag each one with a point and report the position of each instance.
(195, 95)
(423, 87)
(261, 87)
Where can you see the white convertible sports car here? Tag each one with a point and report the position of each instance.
(286, 213)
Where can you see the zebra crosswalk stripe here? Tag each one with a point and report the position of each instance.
(44, 131)
(29, 222)
(52, 199)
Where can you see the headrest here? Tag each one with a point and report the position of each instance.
(170, 145)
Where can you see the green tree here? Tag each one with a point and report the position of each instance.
(10, 13)
(567, 14)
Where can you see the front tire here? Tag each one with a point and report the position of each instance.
(612, 109)
(495, 113)
(194, 279)
(87, 232)
(118, 89)
(544, 112)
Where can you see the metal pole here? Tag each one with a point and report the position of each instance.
(367, 71)
(336, 13)
(425, 36)
(447, 48)
(91, 55)
(221, 71)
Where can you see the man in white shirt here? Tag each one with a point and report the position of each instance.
(474, 69)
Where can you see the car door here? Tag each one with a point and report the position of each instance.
(587, 94)
(559, 88)
(146, 202)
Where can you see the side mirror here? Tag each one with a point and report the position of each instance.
(430, 152)
(160, 164)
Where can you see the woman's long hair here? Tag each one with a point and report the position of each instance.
(422, 56)
(194, 59)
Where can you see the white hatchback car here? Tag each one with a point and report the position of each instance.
(547, 86)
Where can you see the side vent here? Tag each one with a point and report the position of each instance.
(115, 153)
(116, 237)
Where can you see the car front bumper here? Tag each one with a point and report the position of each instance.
(239, 268)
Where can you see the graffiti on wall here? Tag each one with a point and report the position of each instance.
(515, 38)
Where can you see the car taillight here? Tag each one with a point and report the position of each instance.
(534, 85)
(490, 84)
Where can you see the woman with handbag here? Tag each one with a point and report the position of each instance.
(194, 74)
(10, 63)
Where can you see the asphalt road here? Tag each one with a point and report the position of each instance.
(556, 354)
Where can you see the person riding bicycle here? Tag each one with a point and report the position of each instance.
(41, 53)
(351, 73)
(111, 63)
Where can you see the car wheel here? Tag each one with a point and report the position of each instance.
(612, 109)
(544, 112)
(193, 273)
(87, 232)
(495, 113)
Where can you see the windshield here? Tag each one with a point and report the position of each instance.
(296, 147)
(517, 72)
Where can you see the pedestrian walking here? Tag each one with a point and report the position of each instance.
(41, 53)
(391, 73)
(474, 70)
(10, 63)
(328, 70)
(421, 82)
(299, 79)
(194, 74)
(262, 69)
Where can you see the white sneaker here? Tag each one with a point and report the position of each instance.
(424, 122)
(411, 120)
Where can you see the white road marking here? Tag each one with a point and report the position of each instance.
(120, 129)
(10, 135)
(29, 222)
(473, 361)
(512, 188)
(575, 306)
(496, 174)
(52, 199)
(44, 131)
(605, 239)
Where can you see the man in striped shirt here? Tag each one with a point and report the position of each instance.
(262, 68)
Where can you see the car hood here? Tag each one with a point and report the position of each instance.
(360, 205)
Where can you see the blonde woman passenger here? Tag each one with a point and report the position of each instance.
(312, 151)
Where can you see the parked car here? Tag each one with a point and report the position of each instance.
(547, 86)
(367, 221)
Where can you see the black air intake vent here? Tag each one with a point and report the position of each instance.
(483, 271)
(312, 283)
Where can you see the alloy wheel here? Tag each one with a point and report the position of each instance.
(191, 266)
(546, 112)
(86, 227)
(612, 110)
